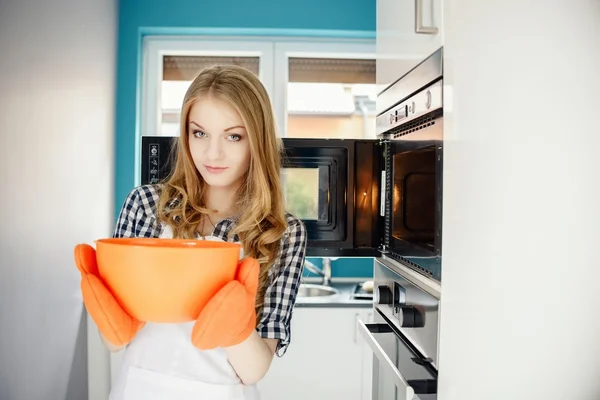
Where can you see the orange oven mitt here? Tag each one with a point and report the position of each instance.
(229, 317)
(114, 323)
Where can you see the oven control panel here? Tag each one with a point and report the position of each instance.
(399, 299)
(418, 105)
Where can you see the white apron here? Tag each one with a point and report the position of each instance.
(162, 363)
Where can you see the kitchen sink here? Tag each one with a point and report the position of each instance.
(311, 290)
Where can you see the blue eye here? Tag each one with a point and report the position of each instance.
(235, 137)
(198, 134)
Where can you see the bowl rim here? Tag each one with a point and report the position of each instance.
(168, 243)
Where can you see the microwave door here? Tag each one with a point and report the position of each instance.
(334, 187)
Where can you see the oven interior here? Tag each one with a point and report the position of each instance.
(414, 186)
(414, 197)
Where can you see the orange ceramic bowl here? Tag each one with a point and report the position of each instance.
(165, 280)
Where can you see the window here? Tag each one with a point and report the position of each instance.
(319, 88)
(331, 98)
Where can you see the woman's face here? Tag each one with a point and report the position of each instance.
(219, 143)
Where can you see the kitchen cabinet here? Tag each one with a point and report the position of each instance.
(327, 358)
(407, 32)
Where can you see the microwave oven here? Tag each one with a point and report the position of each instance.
(375, 197)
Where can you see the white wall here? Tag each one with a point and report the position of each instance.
(520, 310)
(57, 79)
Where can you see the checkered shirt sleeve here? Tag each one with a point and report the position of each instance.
(280, 295)
(137, 217)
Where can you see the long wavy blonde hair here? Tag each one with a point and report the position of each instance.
(262, 222)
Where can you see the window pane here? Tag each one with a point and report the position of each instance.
(178, 73)
(301, 191)
(331, 98)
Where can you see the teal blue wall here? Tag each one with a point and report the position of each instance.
(346, 267)
(315, 18)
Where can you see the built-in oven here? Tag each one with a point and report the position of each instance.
(413, 173)
(403, 335)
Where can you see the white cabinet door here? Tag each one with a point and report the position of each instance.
(405, 37)
(325, 359)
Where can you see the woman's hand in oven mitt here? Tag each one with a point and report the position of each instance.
(118, 327)
(229, 317)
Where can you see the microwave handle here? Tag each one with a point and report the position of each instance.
(385, 362)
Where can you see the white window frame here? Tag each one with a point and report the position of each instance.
(273, 54)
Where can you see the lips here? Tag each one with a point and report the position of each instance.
(214, 170)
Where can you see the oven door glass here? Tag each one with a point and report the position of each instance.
(398, 372)
(415, 182)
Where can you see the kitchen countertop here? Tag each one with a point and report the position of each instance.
(343, 299)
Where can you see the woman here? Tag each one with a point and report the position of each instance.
(225, 186)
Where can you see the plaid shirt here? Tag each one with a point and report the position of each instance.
(138, 219)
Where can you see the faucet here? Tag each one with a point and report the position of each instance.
(325, 273)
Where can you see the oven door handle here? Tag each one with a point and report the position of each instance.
(366, 331)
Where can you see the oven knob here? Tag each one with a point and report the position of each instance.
(410, 317)
(384, 295)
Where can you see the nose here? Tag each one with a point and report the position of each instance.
(214, 150)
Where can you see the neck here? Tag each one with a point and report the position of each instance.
(221, 200)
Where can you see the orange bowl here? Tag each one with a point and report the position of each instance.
(165, 280)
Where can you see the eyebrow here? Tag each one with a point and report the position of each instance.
(226, 130)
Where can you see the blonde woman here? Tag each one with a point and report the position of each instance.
(225, 186)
